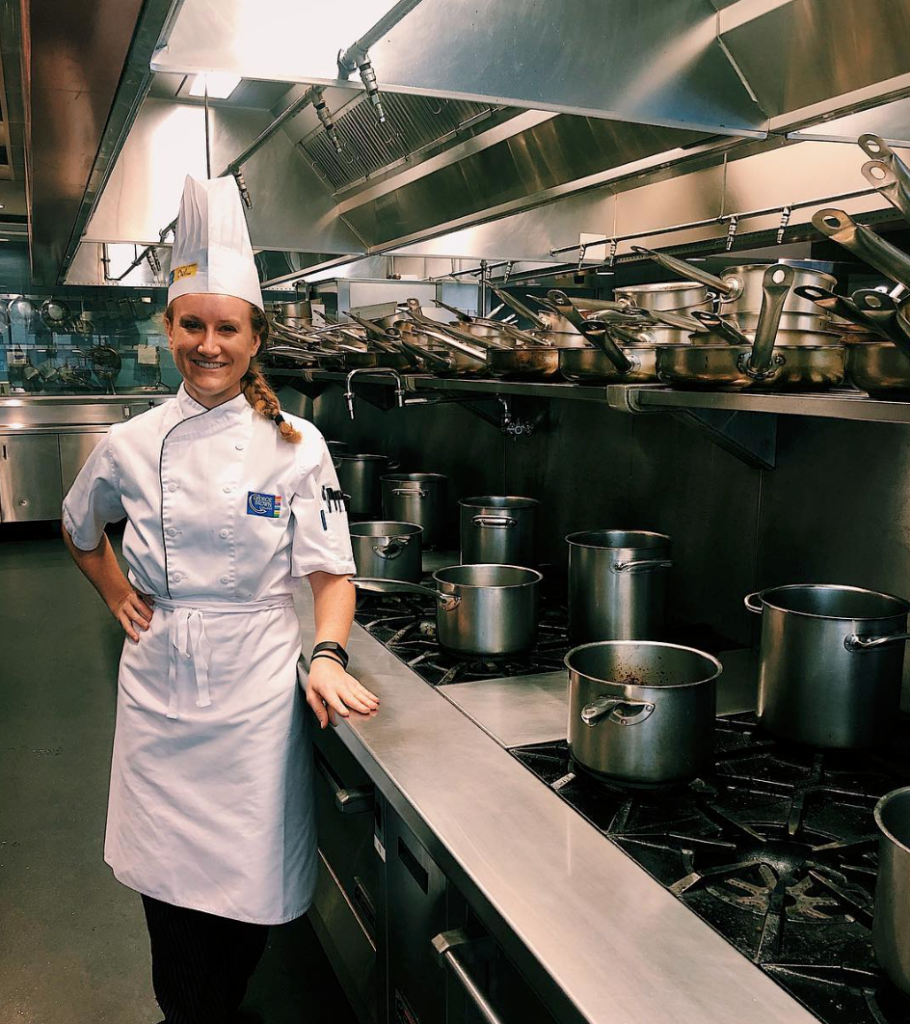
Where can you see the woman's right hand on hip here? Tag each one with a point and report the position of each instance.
(134, 612)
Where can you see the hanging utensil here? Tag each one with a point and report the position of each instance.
(106, 365)
(864, 244)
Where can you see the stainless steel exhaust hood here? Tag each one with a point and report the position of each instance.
(478, 140)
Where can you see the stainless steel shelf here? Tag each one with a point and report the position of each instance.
(640, 398)
(423, 382)
(841, 405)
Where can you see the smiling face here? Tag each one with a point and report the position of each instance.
(212, 341)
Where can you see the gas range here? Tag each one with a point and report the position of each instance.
(776, 849)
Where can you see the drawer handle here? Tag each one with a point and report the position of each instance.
(358, 800)
(447, 945)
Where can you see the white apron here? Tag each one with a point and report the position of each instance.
(210, 802)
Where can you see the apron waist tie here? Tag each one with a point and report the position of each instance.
(190, 645)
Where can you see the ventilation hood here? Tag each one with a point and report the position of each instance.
(492, 127)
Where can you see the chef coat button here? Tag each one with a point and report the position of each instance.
(224, 534)
(227, 488)
(240, 447)
(177, 576)
(225, 579)
(172, 487)
(171, 532)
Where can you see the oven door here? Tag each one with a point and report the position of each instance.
(347, 907)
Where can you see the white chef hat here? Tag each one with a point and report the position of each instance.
(212, 253)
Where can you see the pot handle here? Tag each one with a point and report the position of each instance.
(753, 602)
(864, 243)
(857, 643)
(417, 492)
(393, 547)
(616, 709)
(503, 522)
(642, 565)
(883, 179)
(688, 270)
(776, 282)
(382, 586)
(598, 333)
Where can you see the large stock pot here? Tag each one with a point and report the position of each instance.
(642, 713)
(358, 476)
(388, 550)
(830, 663)
(416, 498)
(480, 609)
(617, 584)
(500, 529)
(891, 923)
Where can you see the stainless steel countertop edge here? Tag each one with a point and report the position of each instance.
(537, 872)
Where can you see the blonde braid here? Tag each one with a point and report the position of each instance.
(265, 402)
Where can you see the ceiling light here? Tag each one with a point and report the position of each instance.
(220, 84)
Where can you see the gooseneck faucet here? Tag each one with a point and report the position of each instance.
(376, 371)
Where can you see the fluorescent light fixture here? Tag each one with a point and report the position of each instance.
(220, 84)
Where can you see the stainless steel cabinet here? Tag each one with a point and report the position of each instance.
(30, 487)
(74, 450)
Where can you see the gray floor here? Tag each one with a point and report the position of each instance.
(73, 947)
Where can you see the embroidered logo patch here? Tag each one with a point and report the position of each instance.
(266, 505)
(179, 273)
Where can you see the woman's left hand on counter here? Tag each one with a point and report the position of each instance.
(330, 689)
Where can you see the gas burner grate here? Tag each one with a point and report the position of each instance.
(776, 849)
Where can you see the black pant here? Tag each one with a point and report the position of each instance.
(200, 963)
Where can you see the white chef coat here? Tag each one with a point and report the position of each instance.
(210, 803)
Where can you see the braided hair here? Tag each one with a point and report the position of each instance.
(256, 389)
(254, 386)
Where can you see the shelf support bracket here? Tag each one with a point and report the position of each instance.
(750, 436)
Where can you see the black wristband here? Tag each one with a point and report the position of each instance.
(334, 648)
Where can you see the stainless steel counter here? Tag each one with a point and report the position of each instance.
(557, 896)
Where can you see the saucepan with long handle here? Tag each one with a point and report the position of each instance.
(740, 289)
(480, 609)
(864, 243)
(733, 365)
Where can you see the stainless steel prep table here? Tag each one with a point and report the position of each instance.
(558, 896)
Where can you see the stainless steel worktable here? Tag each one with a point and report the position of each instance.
(622, 948)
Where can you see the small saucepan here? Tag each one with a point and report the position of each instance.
(481, 610)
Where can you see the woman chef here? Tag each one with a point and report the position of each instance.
(210, 814)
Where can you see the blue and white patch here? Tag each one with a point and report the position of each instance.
(268, 506)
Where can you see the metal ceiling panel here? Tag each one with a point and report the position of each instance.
(889, 120)
(292, 209)
(558, 150)
(807, 51)
(78, 52)
(654, 63)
